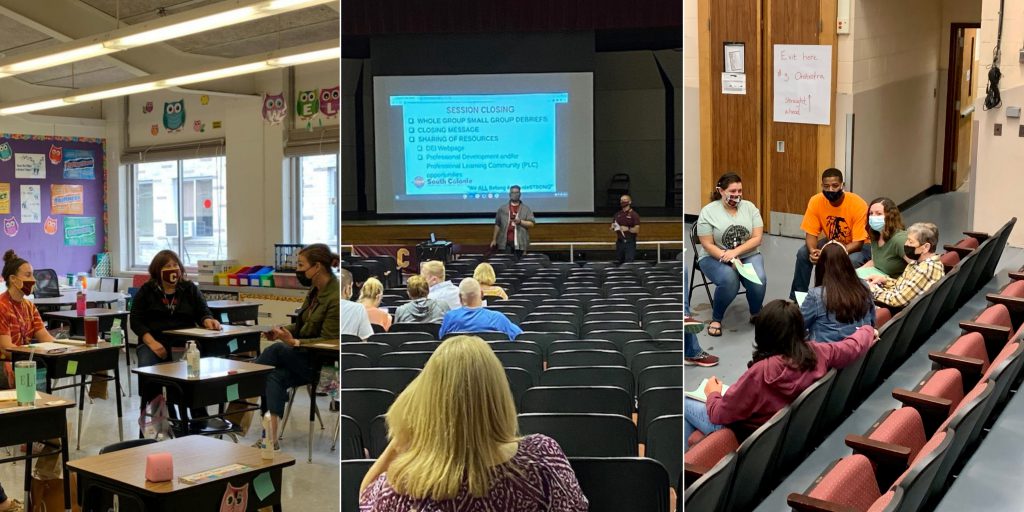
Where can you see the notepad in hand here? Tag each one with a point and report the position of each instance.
(866, 272)
(698, 394)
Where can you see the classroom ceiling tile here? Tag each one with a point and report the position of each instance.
(96, 77)
(16, 38)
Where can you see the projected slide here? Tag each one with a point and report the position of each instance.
(461, 149)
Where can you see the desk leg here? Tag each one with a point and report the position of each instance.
(312, 416)
(81, 405)
(117, 385)
(28, 476)
(67, 474)
(127, 362)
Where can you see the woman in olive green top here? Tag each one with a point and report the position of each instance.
(318, 321)
(885, 229)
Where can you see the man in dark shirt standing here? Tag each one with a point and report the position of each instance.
(512, 223)
(626, 225)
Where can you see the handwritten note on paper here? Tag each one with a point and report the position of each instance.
(803, 84)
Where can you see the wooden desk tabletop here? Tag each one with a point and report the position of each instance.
(192, 454)
(325, 347)
(9, 408)
(71, 298)
(97, 312)
(225, 304)
(227, 331)
(72, 350)
(210, 368)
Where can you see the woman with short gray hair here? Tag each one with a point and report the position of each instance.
(923, 270)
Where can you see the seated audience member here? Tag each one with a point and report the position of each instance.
(831, 215)
(317, 322)
(354, 319)
(887, 236)
(369, 296)
(421, 309)
(924, 268)
(783, 366)
(13, 505)
(730, 229)
(473, 317)
(440, 290)
(453, 444)
(20, 323)
(840, 302)
(693, 353)
(484, 274)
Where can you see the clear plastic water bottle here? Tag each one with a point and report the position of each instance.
(267, 440)
(122, 303)
(192, 359)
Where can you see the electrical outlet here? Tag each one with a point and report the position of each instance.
(780, 146)
(1020, 131)
(998, 131)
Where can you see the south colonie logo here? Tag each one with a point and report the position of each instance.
(418, 181)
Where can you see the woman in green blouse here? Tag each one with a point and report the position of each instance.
(887, 235)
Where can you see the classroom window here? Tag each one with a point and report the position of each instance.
(180, 205)
(318, 199)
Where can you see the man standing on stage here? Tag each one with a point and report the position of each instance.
(512, 224)
(626, 225)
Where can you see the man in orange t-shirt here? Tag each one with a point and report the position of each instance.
(831, 215)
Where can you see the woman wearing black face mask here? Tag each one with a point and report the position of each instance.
(20, 323)
(166, 302)
(923, 269)
(318, 320)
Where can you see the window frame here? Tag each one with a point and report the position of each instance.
(297, 188)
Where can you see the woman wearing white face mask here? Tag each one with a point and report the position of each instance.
(730, 229)
(887, 237)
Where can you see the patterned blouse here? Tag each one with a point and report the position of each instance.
(548, 484)
(915, 280)
(19, 320)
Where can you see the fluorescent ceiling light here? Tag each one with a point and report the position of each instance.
(305, 54)
(222, 14)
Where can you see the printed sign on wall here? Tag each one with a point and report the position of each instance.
(30, 166)
(31, 204)
(79, 231)
(66, 200)
(79, 164)
(5, 198)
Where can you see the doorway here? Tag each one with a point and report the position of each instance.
(960, 98)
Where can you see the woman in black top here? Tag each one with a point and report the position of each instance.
(166, 302)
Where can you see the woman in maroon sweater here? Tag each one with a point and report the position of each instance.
(783, 366)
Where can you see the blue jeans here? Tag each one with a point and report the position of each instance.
(804, 267)
(727, 284)
(691, 347)
(696, 418)
(625, 249)
(291, 368)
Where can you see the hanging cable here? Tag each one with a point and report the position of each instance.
(992, 97)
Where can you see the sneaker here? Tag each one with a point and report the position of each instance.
(703, 359)
(692, 325)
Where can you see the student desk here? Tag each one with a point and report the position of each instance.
(219, 343)
(220, 381)
(79, 361)
(71, 298)
(124, 473)
(45, 420)
(320, 355)
(106, 317)
(236, 311)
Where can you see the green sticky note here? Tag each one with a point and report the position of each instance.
(232, 392)
(264, 486)
(233, 346)
(224, 318)
(72, 367)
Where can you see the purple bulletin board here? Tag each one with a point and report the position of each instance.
(74, 161)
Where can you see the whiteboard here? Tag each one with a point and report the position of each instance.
(803, 84)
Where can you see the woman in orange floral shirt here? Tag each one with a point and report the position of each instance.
(20, 323)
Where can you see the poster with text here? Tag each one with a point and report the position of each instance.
(66, 200)
(79, 164)
(5, 198)
(79, 231)
(31, 204)
(803, 84)
(30, 166)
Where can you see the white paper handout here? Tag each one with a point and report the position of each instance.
(747, 271)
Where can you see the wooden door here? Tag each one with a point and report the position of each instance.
(968, 82)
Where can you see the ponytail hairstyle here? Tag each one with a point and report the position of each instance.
(322, 254)
(727, 179)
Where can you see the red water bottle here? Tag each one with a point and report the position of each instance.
(80, 303)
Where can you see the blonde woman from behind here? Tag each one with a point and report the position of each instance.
(454, 444)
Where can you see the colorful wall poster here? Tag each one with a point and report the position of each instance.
(79, 231)
(5, 198)
(31, 204)
(66, 200)
(79, 164)
(30, 166)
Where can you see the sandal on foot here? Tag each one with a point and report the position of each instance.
(713, 331)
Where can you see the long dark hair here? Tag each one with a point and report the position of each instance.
(163, 258)
(844, 293)
(893, 219)
(779, 331)
(12, 262)
(727, 179)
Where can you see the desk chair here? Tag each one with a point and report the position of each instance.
(695, 268)
(313, 411)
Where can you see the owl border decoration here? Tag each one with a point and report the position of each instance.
(312, 105)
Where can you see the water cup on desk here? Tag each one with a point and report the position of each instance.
(92, 330)
(25, 382)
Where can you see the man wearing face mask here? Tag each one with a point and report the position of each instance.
(924, 268)
(730, 229)
(20, 323)
(626, 225)
(512, 223)
(834, 214)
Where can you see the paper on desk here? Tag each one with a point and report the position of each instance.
(698, 394)
(800, 297)
(194, 331)
(68, 341)
(10, 395)
(42, 348)
(866, 272)
(747, 271)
